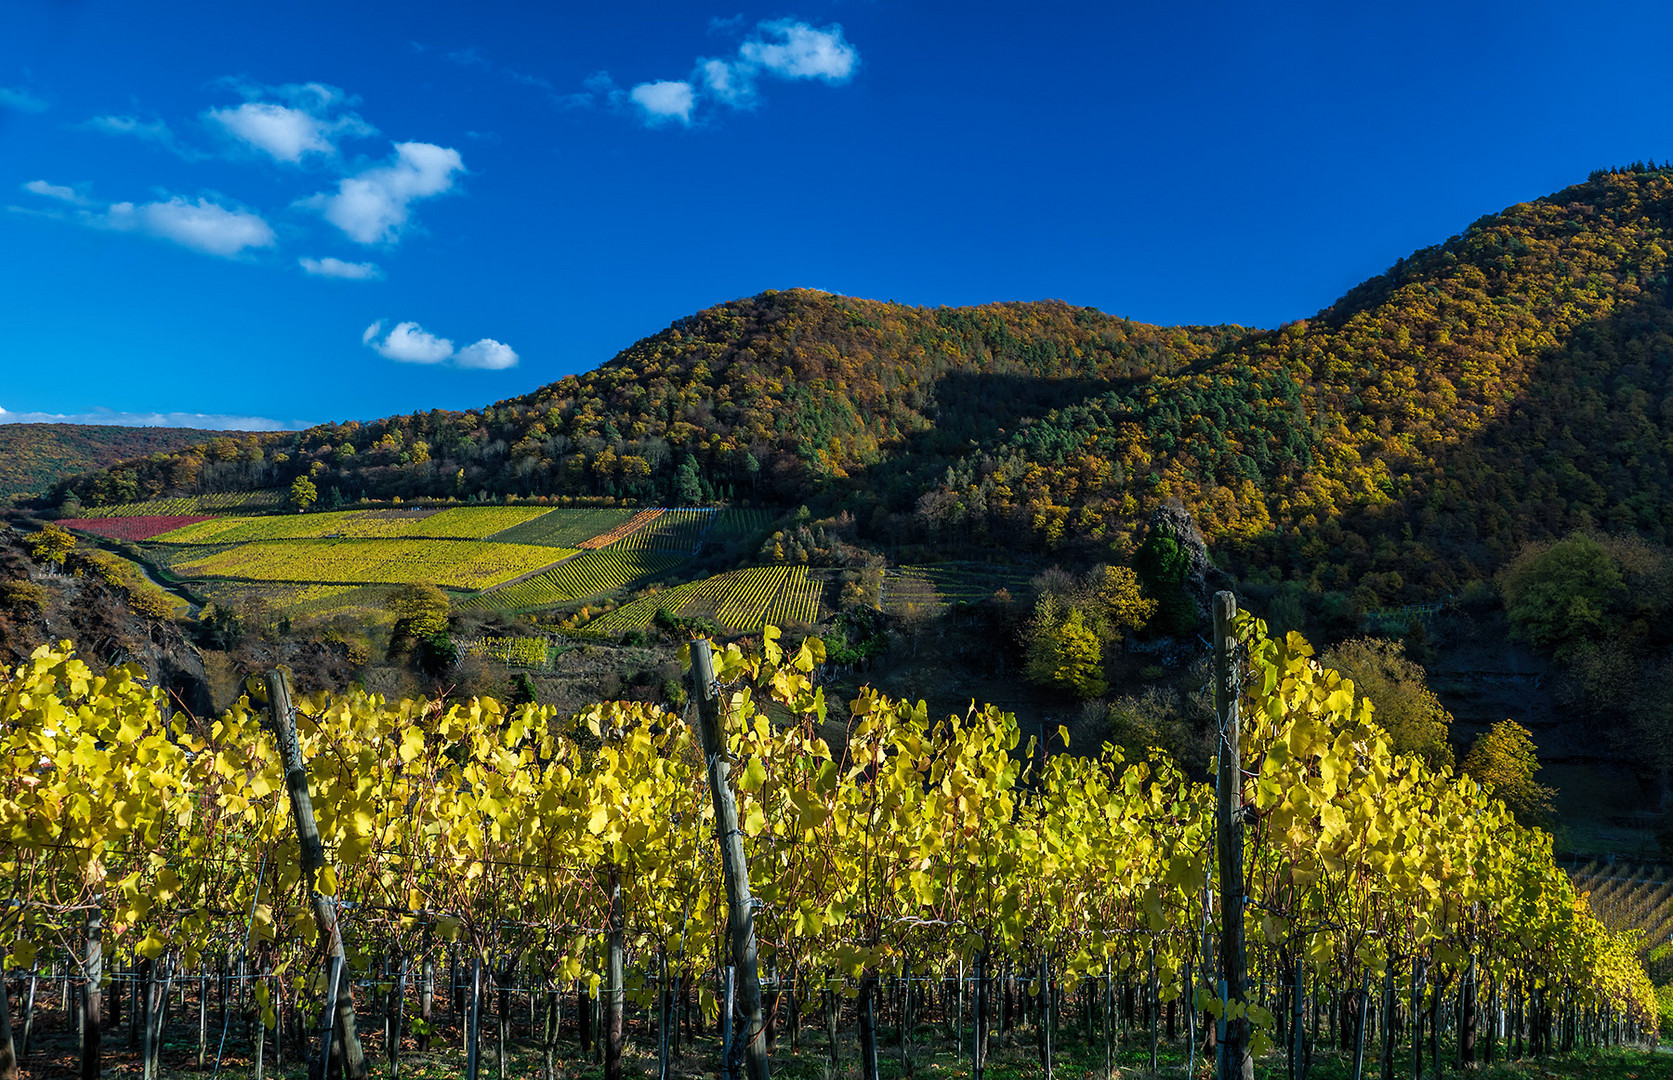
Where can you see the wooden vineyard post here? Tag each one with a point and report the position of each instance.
(90, 1018)
(1235, 1062)
(615, 1001)
(740, 909)
(342, 1026)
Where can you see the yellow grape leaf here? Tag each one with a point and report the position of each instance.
(152, 947)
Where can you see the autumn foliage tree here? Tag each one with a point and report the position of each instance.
(1504, 758)
(1415, 719)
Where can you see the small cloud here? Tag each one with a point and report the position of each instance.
(792, 49)
(409, 343)
(290, 121)
(597, 88)
(718, 25)
(284, 133)
(16, 99)
(202, 226)
(373, 206)
(486, 355)
(729, 83)
(111, 417)
(337, 268)
(55, 191)
(664, 100)
(783, 48)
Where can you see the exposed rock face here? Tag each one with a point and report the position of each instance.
(39, 606)
(1202, 577)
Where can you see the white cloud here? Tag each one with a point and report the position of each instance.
(308, 121)
(337, 268)
(794, 50)
(285, 134)
(20, 100)
(664, 100)
(729, 83)
(410, 344)
(55, 191)
(783, 48)
(111, 417)
(202, 226)
(373, 206)
(486, 355)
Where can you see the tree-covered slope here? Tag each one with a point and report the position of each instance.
(1511, 383)
(34, 456)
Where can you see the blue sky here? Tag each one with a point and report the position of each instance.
(221, 214)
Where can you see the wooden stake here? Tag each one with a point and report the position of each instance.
(740, 908)
(1235, 1062)
(90, 998)
(283, 725)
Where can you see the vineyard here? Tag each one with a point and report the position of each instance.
(738, 601)
(624, 529)
(671, 530)
(522, 652)
(932, 588)
(459, 564)
(536, 854)
(797, 600)
(135, 527)
(589, 574)
(565, 528)
(198, 505)
(1634, 896)
(458, 523)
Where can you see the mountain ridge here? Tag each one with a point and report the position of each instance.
(1405, 440)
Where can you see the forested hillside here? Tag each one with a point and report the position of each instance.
(34, 456)
(1509, 384)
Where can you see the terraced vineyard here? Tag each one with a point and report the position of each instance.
(933, 587)
(589, 574)
(798, 600)
(457, 523)
(624, 529)
(459, 564)
(739, 601)
(198, 504)
(566, 528)
(134, 527)
(523, 652)
(1634, 896)
(670, 530)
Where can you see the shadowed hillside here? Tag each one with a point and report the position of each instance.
(34, 456)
